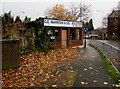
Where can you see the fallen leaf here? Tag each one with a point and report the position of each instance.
(84, 83)
(96, 70)
(116, 85)
(54, 85)
(71, 67)
(85, 69)
(72, 71)
(37, 67)
(91, 73)
(94, 81)
(109, 70)
(80, 75)
(90, 67)
(105, 83)
(113, 85)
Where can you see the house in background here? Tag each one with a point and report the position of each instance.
(102, 34)
(93, 34)
(99, 34)
(114, 25)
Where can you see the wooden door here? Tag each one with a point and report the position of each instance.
(64, 37)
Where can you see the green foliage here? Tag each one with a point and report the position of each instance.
(7, 19)
(32, 35)
(112, 70)
(42, 40)
(99, 38)
(27, 19)
(17, 19)
(24, 51)
(114, 37)
(89, 25)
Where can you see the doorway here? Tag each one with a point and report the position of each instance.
(64, 37)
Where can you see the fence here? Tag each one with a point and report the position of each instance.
(10, 53)
(113, 53)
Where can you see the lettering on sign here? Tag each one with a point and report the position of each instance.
(59, 23)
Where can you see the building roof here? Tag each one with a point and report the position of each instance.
(115, 13)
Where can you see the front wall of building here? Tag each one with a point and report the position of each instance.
(75, 42)
(114, 25)
(70, 33)
(65, 38)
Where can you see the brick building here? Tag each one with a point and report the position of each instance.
(64, 33)
(114, 25)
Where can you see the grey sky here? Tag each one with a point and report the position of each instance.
(37, 8)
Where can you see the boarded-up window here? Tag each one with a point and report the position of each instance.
(75, 34)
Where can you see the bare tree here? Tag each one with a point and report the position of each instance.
(105, 22)
(73, 11)
(81, 12)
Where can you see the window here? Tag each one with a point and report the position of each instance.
(75, 34)
(54, 34)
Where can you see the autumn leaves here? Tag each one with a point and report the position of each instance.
(36, 67)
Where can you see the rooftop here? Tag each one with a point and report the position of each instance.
(115, 13)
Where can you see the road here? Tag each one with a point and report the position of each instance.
(115, 43)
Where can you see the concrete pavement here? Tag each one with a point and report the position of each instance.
(91, 70)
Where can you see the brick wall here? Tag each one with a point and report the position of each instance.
(111, 27)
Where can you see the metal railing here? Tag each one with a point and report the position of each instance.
(112, 52)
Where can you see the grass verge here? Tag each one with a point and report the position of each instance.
(112, 71)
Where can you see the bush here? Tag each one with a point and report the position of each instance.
(24, 51)
(114, 37)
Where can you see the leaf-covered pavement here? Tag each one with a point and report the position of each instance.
(37, 68)
(92, 71)
(60, 68)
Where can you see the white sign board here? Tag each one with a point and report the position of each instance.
(60, 23)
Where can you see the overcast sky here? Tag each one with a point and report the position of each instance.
(37, 8)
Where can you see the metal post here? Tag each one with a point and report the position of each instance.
(85, 41)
